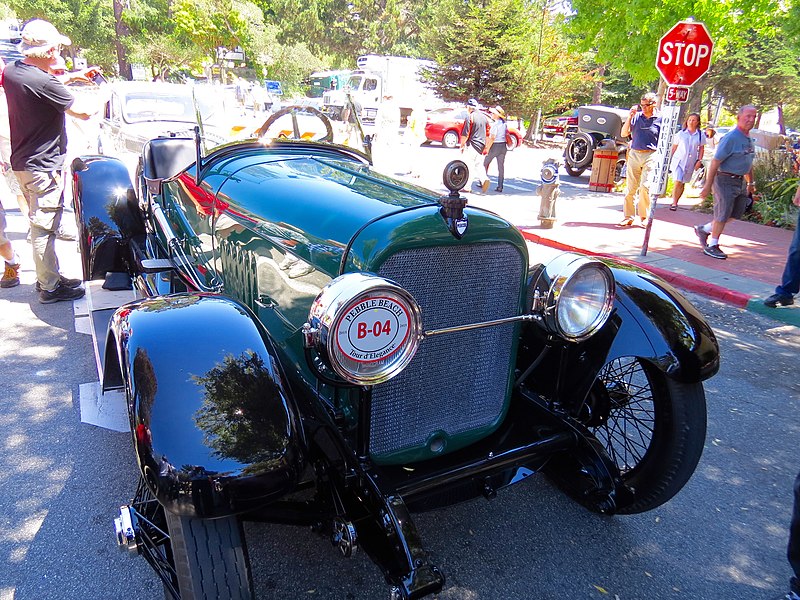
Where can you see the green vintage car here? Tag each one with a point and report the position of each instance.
(318, 344)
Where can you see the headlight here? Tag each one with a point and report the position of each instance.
(573, 296)
(367, 327)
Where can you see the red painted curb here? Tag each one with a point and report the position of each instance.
(711, 290)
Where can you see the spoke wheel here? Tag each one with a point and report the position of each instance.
(652, 427)
(579, 151)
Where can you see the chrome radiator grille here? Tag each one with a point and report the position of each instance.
(457, 382)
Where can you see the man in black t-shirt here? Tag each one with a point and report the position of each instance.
(473, 144)
(37, 103)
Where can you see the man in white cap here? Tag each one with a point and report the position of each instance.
(473, 142)
(37, 103)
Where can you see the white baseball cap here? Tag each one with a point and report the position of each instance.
(41, 35)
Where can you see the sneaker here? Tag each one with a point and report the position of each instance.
(778, 300)
(702, 235)
(715, 252)
(60, 294)
(485, 186)
(65, 281)
(64, 235)
(10, 277)
(499, 189)
(626, 222)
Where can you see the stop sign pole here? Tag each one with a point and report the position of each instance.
(684, 56)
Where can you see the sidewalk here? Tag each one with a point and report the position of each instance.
(587, 223)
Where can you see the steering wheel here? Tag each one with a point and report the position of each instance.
(290, 127)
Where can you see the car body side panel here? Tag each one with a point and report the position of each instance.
(215, 426)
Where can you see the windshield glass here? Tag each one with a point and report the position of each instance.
(143, 106)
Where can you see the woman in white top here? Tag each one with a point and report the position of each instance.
(687, 154)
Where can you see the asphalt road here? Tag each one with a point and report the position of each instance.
(723, 536)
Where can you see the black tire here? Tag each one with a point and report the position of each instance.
(579, 151)
(652, 427)
(574, 172)
(210, 558)
(451, 139)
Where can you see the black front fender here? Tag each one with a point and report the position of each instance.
(681, 342)
(215, 426)
(107, 212)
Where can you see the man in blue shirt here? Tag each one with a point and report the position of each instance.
(644, 127)
(731, 177)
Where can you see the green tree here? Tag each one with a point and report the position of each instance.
(626, 34)
(760, 70)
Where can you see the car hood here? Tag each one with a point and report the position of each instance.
(323, 206)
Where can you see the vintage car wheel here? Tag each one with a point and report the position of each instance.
(450, 139)
(579, 151)
(511, 142)
(289, 115)
(574, 172)
(210, 558)
(651, 426)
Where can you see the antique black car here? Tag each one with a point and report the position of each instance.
(318, 344)
(597, 126)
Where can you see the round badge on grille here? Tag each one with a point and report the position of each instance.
(368, 327)
(373, 329)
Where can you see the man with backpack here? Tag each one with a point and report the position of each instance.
(473, 142)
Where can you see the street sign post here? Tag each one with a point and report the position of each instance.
(684, 56)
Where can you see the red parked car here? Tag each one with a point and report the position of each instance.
(444, 127)
(564, 125)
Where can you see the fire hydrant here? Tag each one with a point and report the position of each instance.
(549, 193)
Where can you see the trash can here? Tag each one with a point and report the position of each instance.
(604, 165)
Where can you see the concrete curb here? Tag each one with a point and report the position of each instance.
(789, 315)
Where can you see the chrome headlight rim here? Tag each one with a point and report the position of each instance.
(367, 327)
(554, 296)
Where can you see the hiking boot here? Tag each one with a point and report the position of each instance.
(715, 252)
(60, 294)
(10, 277)
(701, 235)
(778, 300)
(65, 281)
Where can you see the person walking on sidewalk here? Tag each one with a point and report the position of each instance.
(644, 127)
(730, 175)
(37, 104)
(496, 146)
(473, 134)
(790, 282)
(687, 155)
(793, 548)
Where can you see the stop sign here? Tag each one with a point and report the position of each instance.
(684, 53)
